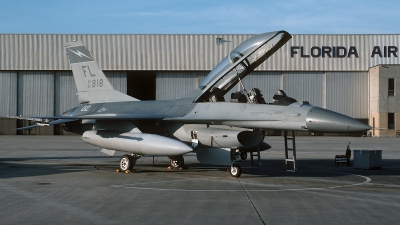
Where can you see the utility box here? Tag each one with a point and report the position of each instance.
(367, 159)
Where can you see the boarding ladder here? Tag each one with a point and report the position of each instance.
(254, 154)
(288, 148)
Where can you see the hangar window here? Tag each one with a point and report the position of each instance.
(391, 87)
(391, 121)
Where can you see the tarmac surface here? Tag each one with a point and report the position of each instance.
(61, 179)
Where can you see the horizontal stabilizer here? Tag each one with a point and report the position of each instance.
(60, 121)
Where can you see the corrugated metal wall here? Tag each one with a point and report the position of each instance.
(35, 93)
(185, 52)
(8, 93)
(117, 52)
(305, 86)
(117, 80)
(347, 93)
(33, 52)
(283, 59)
(268, 82)
(65, 92)
(173, 85)
(382, 41)
(41, 93)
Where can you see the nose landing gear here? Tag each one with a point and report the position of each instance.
(235, 170)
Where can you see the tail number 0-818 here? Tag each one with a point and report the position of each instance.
(95, 83)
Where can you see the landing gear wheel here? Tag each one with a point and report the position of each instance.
(243, 155)
(235, 170)
(177, 161)
(126, 163)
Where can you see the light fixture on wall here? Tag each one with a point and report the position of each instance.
(220, 41)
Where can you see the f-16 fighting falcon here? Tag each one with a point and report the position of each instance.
(201, 122)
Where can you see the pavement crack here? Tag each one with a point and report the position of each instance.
(251, 202)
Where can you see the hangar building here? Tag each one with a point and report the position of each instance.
(356, 75)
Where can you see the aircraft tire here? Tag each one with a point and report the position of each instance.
(177, 161)
(235, 170)
(126, 163)
(243, 155)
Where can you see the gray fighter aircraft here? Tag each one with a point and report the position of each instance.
(201, 122)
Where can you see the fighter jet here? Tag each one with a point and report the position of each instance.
(201, 121)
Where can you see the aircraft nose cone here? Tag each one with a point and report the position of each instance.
(323, 120)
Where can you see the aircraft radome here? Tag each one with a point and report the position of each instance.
(201, 121)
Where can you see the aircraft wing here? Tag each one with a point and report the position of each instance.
(53, 120)
(45, 121)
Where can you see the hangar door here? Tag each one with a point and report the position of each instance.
(305, 86)
(141, 85)
(347, 93)
(173, 85)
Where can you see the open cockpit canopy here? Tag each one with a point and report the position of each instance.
(240, 62)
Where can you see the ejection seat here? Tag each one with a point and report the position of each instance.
(281, 98)
(253, 96)
(216, 95)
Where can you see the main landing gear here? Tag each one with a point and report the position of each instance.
(127, 162)
(238, 154)
(176, 162)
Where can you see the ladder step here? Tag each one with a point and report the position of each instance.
(290, 147)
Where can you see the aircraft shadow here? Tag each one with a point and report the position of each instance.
(22, 167)
(277, 168)
(39, 166)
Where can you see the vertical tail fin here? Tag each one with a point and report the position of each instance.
(93, 86)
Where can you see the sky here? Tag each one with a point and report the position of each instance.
(199, 17)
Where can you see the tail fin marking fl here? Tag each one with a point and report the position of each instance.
(92, 84)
